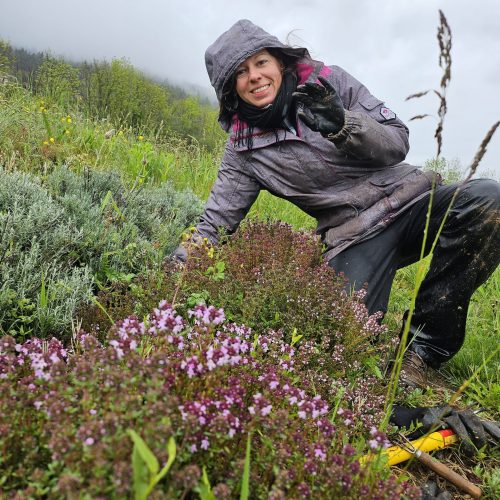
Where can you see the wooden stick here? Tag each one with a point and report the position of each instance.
(448, 474)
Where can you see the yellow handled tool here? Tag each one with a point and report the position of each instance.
(434, 441)
(418, 449)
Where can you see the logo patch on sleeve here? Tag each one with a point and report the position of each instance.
(387, 113)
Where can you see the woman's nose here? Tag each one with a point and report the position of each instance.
(254, 73)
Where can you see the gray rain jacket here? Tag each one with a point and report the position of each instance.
(354, 185)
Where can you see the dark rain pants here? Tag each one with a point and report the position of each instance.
(467, 252)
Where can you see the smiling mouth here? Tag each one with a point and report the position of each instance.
(260, 89)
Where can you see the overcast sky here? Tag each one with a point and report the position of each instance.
(390, 45)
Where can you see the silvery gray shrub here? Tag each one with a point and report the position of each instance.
(62, 235)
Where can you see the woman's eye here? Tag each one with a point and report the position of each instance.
(240, 72)
(261, 62)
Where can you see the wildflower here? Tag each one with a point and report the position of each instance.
(304, 490)
(320, 453)
(346, 481)
(120, 132)
(208, 315)
(52, 140)
(379, 439)
(68, 119)
(141, 137)
(355, 467)
(266, 410)
(37, 404)
(349, 450)
(89, 441)
(45, 143)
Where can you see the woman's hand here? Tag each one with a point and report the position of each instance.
(473, 431)
(323, 109)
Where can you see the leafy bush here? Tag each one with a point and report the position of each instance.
(266, 276)
(65, 417)
(58, 238)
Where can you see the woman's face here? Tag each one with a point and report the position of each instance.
(258, 79)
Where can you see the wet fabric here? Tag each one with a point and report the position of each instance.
(354, 185)
(467, 252)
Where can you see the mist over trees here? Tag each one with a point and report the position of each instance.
(117, 91)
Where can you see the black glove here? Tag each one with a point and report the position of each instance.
(180, 255)
(324, 109)
(473, 431)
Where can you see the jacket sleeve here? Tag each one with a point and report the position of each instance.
(371, 131)
(232, 195)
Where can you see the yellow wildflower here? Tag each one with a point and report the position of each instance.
(141, 137)
(52, 140)
(67, 132)
(45, 143)
(69, 119)
(121, 132)
(210, 252)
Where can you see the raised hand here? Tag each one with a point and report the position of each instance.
(323, 109)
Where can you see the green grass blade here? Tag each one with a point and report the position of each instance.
(172, 451)
(140, 475)
(245, 482)
(102, 308)
(204, 489)
(44, 301)
(146, 454)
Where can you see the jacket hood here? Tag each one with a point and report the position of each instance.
(237, 44)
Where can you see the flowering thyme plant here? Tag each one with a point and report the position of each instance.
(200, 379)
(273, 278)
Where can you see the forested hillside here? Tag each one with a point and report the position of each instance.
(117, 91)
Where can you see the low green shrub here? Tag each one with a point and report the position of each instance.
(200, 381)
(61, 236)
(266, 276)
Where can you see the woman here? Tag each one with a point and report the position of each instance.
(314, 135)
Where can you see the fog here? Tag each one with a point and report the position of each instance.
(390, 45)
